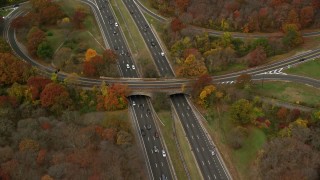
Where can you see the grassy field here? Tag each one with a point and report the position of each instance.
(248, 153)
(167, 133)
(290, 92)
(309, 69)
(231, 68)
(238, 161)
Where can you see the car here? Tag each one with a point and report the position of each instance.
(16, 5)
(114, 32)
(146, 26)
(156, 134)
(116, 24)
(133, 67)
(153, 44)
(131, 12)
(156, 150)
(163, 177)
(162, 53)
(133, 103)
(128, 67)
(143, 133)
(302, 59)
(122, 52)
(148, 111)
(164, 153)
(128, 54)
(145, 29)
(213, 153)
(116, 47)
(149, 126)
(110, 22)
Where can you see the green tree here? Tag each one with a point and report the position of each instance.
(242, 111)
(17, 91)
(292, 37)
(44, 50)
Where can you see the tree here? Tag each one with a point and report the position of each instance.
(90, 54)
(55, 97)
(6, 128)
(109, 56)
(176, 25)
(256, 57)
(19, 22)
(50, 14)
(241, 111)
(288, 158)
(17, 91)
(29, 144)
(78, 17)
(292, 37)
(36, 85)
(44, 50)
(13, 70)
(243, 81)
(4, 46)
(182, 4)
(89, 69)
(200, 83)
(293, 18)
(35, 37)
(282, 113)
(192, 67)
(306, 16)
(113, 97)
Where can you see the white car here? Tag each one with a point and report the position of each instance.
(133, 103)
(155, 149)
(213, 153)
(133, 67)
(116, 24)
(128, 67)
(162, 53)
(164, 153)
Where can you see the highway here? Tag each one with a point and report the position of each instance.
(158, 165)
(216, 171)
(208, 160)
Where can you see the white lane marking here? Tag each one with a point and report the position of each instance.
(148, 139)
(156, 164)
(192, 137)
(198, 137)
(198, 149)
(192, 125)
(187, 125)
(182, 104)
(161, 163)
(182, 115)
(208, 162)
(215, 176)
(202, 163)
(188, 114)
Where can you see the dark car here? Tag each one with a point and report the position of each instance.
(302, 59)
(143, 133)
(131, 12)
(156, 134)
(146, 26)
(149, 126)
(116, 47)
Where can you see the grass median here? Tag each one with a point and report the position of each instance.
(168, 135)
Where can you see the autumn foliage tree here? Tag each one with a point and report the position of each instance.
(78, 17)
(36, 84)
(50, 13)
(56, 97)
(292, 36)
(306, 16)
(256, 57)
(200, 83)
(192, 67)
(113, 97)
(35, 37)
(94, 67)
(90, 53)
(182, 4)
(176, 25)
(241, 111)
(13, 70)
(243, 81)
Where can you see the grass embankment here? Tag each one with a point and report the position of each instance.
(168, 133)
(309, 69)
(290, 92)
(5, 12)
(218, 127)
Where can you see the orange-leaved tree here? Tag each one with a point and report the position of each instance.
(56, 97)
(90, 54)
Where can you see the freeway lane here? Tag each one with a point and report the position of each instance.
(150, 39)
(213, 169)
(157, 166)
